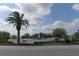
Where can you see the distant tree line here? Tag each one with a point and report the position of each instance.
(57, 34)
(37, 36)
(4, 36)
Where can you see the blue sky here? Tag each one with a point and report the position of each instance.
(45, 15)
(62, 12)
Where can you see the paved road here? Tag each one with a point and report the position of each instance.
(59, 50)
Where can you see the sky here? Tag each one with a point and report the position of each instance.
(43, 17)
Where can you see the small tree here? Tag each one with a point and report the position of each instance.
(59, 33)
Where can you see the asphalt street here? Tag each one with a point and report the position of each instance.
(56, 50)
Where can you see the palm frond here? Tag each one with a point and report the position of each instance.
(24, 25)
(25, 22)
(14, 24)
(22, 15)
(10, 18)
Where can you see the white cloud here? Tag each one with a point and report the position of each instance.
(75, 7)
(61, 24)
(4, 8)
(16, 9)
(47, 28)
(58, 23)
(35, 8)
(35, 11)
(76, 23)
(4, 26)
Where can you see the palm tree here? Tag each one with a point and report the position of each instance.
(16, 19)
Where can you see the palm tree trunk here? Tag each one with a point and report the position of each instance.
(18, 38)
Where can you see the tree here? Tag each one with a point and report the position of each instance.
(44, 35)
(59, 33)
(16, 19)
(25, 36)
(49, 35)
(75, 36)
(34, 36)
(41, 35)
(4, 36)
